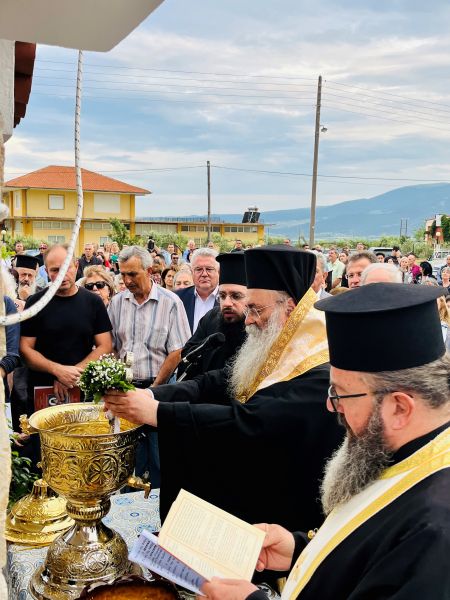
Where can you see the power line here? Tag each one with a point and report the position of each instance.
(197, 79)
(285, 105)
(167, 100)
(95, 87)
(385, 118)
(180, 71)
(395, 108)
(257, 171)
(202, 88)
(206, 87)
(274, 77)
(328, 176)
(58, 171)
(389, 110)
(407, 98)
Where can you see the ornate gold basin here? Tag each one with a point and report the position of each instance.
(83, 461)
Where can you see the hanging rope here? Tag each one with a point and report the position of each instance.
(53, 287)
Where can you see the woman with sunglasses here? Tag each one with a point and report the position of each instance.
(99, 281)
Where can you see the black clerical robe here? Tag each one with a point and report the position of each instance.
(401, 553)
(215, 358)
(261, 461)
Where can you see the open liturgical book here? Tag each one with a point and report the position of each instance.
(199, 541)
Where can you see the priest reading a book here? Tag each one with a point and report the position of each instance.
(386, 491)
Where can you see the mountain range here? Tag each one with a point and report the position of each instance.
(367, 217)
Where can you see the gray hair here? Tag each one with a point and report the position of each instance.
(139, 252)
(364, 254)
(391, 271)
(281, 295)
(182, 272)
(321, 262)
(430, 382)
(204, 252)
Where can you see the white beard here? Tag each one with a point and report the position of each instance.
(356, 464)
(253, 353)
(26, 290)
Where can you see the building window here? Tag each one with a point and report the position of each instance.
(56, 239)
(105, 240)
(56, 202)
(17, 200)
(52, 225)
(107, 203)
(18, 226)
(146, 228)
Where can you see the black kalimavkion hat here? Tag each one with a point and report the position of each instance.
(232, 268)
(26, 262)
(383, 327)
(281, 268)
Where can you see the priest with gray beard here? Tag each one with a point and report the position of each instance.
(253, 439)
(386, 491)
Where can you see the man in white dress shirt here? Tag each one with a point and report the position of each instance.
(202, 296)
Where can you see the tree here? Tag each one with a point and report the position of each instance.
(445, 226)
(120, 234)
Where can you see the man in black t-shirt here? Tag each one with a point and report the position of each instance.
(73, 329)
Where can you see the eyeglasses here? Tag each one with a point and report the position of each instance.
(199, 270)
(234, 296)
(335, 398)
(42, 247)
(98, 284)
(256, 312)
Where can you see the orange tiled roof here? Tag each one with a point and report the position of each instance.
(63, 178)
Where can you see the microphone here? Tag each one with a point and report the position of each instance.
(212, 341)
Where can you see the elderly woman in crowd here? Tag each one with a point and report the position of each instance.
(167, 278)
(99, 281)
(119, 283)
(182, 279)
(426, 273)
(445, 274)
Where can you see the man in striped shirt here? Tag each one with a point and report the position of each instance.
(150, 322)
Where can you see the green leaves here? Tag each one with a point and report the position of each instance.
(106, 373)
(22, 477)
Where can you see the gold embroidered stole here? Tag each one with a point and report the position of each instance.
(301, 345)
(343, 521)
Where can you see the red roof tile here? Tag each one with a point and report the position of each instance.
(63, 178)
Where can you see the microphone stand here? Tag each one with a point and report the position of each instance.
(186, 371)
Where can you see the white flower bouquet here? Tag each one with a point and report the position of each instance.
(106, 373)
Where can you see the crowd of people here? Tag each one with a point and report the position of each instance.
(243, 424)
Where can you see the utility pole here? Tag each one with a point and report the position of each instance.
(208, 171)
(404, 227)
(312, 222)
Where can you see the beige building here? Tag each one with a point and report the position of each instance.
(249, 233)
(43, 205)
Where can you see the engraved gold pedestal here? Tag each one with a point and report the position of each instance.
(38, 518)
(85, 463)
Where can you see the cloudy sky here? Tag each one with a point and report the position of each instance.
(235, 83)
